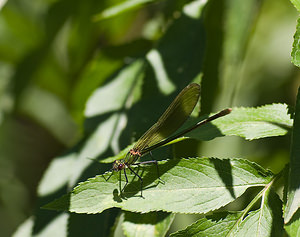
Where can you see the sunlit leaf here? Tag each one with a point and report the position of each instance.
(195, 185)
(296, 3)
(250, 123)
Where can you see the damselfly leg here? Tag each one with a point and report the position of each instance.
(151, 162)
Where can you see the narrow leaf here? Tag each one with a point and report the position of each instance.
(195, 185)
(293, 193)
(296, 45)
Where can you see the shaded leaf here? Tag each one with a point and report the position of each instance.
(218, 224)
(91, 225)
(293, 193)
(293, 227)
(149, 224)
(44, 109)
(266, 221)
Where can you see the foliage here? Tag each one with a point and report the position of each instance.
(81, 81)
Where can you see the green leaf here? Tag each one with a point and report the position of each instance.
(149, 224)
(120, 8)
(95, 73)
(266, 221)
(218, 225)
(91, 225)
(25, 229)
(296, 46)
(293, 193)
(250, 123)
(65, 130)
(195, 185)
(296, 3)
(293, 227)
(228, 34)
(98, 102)
(57, 175)
(104, 116)
(56, 227)
(95, 145)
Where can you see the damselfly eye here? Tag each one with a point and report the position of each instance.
(118, 165)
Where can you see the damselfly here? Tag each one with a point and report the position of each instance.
(159, 134)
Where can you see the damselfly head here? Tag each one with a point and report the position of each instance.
(118, 165)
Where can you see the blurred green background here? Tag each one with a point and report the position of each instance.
(55, 54)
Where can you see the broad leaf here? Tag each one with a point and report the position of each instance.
(250, 123)
(195, 185)
(266, 221)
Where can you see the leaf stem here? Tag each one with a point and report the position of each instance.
(261, 194)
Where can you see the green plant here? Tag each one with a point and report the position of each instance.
(150, 50)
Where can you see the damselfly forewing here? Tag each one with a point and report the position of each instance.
(160, 133)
